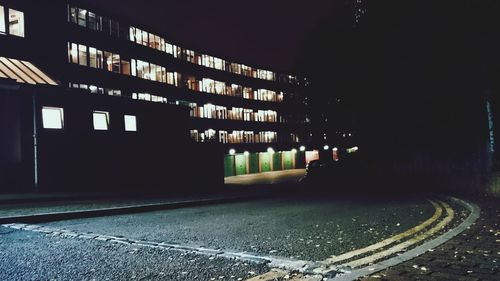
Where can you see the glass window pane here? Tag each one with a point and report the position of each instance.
(93, 57)
(74, 53)
(2, 20)
(82, 17)
(132, 34)
(107, 61)
(82, 55)
(92, 21)
(116, 63)
(125, 67)
(130, 123)
(115, 28)
(16, 23)
(52, 118)
(73, 15)
(100, 59)
(138, 36)
(134, 67)
(144, 38)
(101, 120)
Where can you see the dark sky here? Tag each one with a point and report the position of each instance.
(266, 33)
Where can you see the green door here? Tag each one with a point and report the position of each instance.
(288, 160)
(265, 162)
(300, 160)
(277, 162)
(228, 166)
(241, 164)
(254, 163)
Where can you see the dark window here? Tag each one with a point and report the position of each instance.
(94, 21)
(114, 28)
(82, 17)
(73, 15)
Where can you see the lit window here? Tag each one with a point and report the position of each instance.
(2, 20)
(82, 55)
(115, 60)
(132, 33)
(52, 118)
(125, 67)
(93, 57)
(130, 123)
(16, 23)
(101, 120)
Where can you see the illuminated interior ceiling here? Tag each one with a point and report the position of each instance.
(23, 72)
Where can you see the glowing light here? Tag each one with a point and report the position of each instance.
(246, 153)
(326, 147)
(352, 149)
(335, 149)
(302, 148)
(294, 150)
(270, 150)
(232, 151)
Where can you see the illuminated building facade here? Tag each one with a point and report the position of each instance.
(122, 72)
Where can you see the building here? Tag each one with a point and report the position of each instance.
(127, 105)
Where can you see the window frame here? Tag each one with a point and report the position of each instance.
(45, 124)
(3, 21)
(107, 120)
(132, 118)
(21, 23)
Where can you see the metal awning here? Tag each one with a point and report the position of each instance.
(23, 72)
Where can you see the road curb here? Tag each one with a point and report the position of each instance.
(419, 250)
(55, 216)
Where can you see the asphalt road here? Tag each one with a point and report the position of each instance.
(300, 228)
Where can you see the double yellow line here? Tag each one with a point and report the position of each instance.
(333, 261)
(379, 250)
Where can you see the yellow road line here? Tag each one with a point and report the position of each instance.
(274, 274)
(387, 241)
(399, 247)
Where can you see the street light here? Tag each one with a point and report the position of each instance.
(232, 151)
(326, 147)
(302, 148)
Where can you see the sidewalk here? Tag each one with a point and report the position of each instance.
(472, 256)
(60, 207)
(33, 208)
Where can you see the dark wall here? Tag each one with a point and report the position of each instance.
(16, 169)
(159, 157)
(156, 157)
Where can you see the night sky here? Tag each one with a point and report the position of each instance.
(263, 33)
